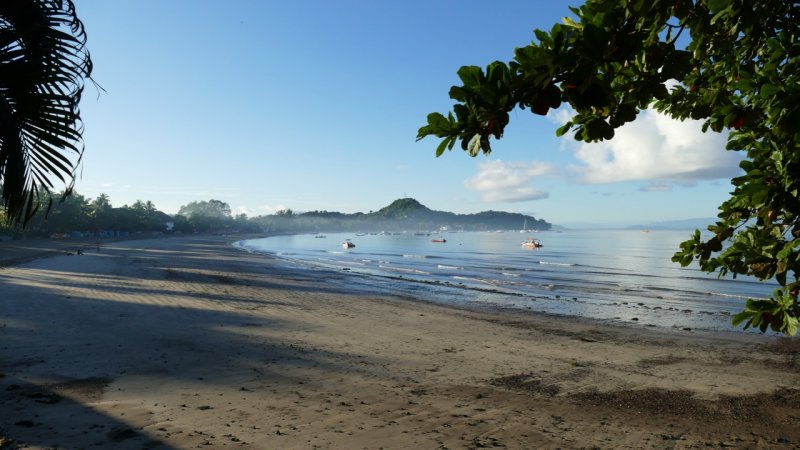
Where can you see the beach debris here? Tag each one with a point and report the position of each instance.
(527, 382)
(47, 398)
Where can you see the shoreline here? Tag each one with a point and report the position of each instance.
(604, 308)
(188, 341)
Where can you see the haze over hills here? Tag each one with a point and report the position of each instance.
(78, 216)
(679, 224)
(404, 214)
(685, 224)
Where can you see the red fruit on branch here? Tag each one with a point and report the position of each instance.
(738, 122)
(772, 215)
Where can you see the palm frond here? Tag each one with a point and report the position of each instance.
(43, 65)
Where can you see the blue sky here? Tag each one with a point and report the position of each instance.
(315, 105)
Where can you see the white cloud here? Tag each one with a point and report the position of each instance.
(498, 181)
(561, 115)
(657, 148)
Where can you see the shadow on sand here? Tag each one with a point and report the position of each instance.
(70, 332)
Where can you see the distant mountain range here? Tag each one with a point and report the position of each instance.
(685, 224)
(405, 214)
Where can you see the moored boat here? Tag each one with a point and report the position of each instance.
(532, 243)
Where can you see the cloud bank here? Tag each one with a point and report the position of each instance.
(498, 181)
(657, 149)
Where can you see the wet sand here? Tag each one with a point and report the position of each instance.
(189, 343)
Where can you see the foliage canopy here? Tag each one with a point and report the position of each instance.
(210, 208)
(43, 63)
(735, 64)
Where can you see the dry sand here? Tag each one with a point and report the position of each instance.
(189, 343)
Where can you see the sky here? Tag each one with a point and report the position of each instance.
(315, 105)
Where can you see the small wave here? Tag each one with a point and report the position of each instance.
(476, 280)
(335, 252)
(403, 269)
(743, 297)
(507, 274)
(442, 266)
(415, 256)
(347, 263)
(547, 263)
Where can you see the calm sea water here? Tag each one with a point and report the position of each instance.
(618, 275)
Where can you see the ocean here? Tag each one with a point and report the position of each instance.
(615, 275)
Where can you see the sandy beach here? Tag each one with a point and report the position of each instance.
(187, 342)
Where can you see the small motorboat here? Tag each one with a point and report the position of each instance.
(441, 240)
(348, 244)
(532, 243)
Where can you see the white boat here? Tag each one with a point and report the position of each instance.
(532, 243)
(348, 244)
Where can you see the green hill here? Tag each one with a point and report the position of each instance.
(405, 214)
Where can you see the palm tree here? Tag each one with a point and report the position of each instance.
(43, 65)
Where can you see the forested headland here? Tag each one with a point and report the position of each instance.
(78, 216)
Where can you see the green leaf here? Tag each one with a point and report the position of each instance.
(571, 23)
(741, 317)
(790, 325)
(442, 146)
(437, 125)
(717, 5)
(471, 76)
(563, 129)
(769, 90)
(474, 146)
